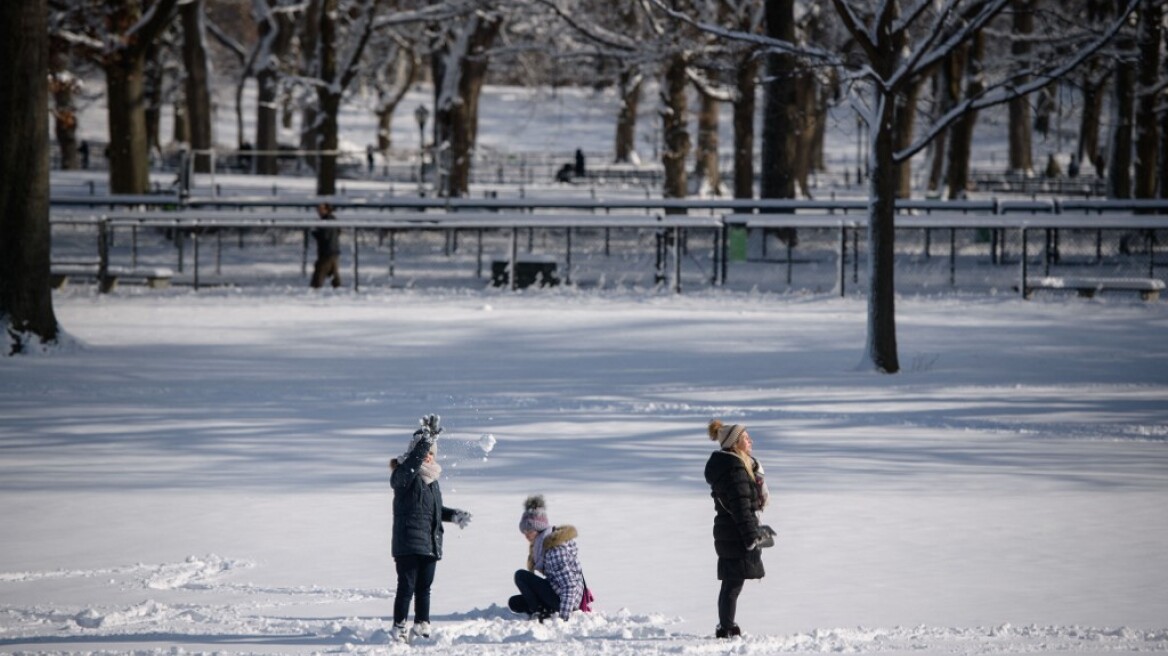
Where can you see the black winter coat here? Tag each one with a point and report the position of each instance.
(328, 242)
(418, 512)
(735, 522)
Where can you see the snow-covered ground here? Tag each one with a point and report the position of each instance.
(206, 472)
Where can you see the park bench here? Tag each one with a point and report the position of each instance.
(528, 271)
(154, 277)
(1148, 288)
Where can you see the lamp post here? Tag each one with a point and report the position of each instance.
(421, 114)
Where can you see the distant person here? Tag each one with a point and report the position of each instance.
(369, 158)
(553, 554)
(328, 249)
(740, 495)
(1073, 167)
(418, 515)
(564, 174)
(579, 163)
(84, 151)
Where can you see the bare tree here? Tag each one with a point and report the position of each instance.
(197, 81)
(117, 35)
(1150, 42)
(26, 302)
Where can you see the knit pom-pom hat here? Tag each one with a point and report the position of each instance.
(725, 435)
(534, 514)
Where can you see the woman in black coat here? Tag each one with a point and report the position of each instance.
(418, 514)
(736, 484)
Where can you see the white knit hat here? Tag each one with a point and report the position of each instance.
(726, 435)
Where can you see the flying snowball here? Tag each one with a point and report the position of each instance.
(486, 443)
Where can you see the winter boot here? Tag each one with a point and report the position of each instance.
(400, 633)
(420, 630)
(730, 632)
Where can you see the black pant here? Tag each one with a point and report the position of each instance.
(728, 601)
(415, 575)
(536, 595)
(326, 266)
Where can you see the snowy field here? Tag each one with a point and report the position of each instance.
(205, 472)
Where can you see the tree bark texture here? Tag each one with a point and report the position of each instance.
(26, 302)
(674, 124)
(276, 31)
(1021, 136)
(780, 111)
(1119, 176)
(706, 171)
(198, 93)
(124, 66)
(458, 81)
(62, 86)
(744, 108)
(1147, 131)
(626, 121)
(328, 100)
(969, 61)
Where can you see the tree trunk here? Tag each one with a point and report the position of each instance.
(969, 62)
(906, 114)
(1089, 121)
(806, 96)
(198, 93)
(675, 119)
(1119, 177)
(128, 148)
(124, 66)
(1162, 165)
(706, 172)
(947, 83)
(276, 32)
(883, 184)
(267, 119)
(457, 100)
(1021, 139)
(1147, 137)
(328, 101)
(62, 86)
(26, 302)
(152, 84)
(626, 120)
(780, 112)
(744, 108)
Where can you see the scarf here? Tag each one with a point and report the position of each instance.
(537, 547)
(429, 471)
(764, 493)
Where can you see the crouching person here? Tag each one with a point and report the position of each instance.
(553, 553)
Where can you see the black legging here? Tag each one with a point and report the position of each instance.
(536, 595)
(728, 601)
(415, 575)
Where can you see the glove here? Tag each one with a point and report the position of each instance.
(754, 545)
(430, 427)
(766, 536)
(461, 518)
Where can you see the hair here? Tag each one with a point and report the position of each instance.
(715, 427)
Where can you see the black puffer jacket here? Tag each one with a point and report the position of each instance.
(735, 524)
(418, 512)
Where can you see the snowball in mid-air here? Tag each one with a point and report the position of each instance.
(486, 443)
